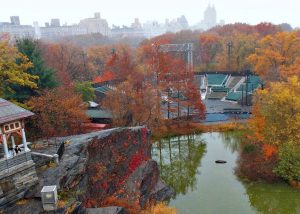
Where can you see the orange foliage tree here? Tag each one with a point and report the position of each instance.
(58, 112)
(275, 54)
(209, 46)
(69, 61)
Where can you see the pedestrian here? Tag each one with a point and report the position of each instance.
(17, 149)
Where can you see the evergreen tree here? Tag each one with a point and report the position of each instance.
(46, 76)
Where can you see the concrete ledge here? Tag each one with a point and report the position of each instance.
(16, 169)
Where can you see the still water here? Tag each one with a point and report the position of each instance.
(187, 164)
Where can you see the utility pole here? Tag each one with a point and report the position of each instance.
(229, 51)
(247, 81)
(242, 95)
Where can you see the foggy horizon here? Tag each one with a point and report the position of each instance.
(123, 13)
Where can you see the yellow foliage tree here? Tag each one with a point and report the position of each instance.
(280, 107)
(293, 70)
(13, 67)
(242, 45)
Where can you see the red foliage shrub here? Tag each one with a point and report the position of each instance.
(136, 162)
(269, 151)
(121, 154)
(254, 165)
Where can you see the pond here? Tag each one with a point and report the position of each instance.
(187, 164)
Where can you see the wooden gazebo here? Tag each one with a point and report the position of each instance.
(12, 122)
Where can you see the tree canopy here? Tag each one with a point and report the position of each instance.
(13, 69)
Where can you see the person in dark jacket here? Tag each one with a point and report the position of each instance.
(17, 149)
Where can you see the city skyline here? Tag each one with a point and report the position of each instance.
(123, 13)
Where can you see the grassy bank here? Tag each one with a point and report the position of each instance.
(172, 130)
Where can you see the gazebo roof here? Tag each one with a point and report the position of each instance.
(10, 112)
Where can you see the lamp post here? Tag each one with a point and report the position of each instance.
(229, 50)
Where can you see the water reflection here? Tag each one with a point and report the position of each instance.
(273, 198)
(232, 140)
(188, 165)
(179, 159)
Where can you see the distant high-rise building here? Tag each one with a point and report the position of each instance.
(54, 33)
(17, 31)
(55, 23)
(182, 21)
(210, 17)
(95, 25)
(136, 24)
(176, 25)
(37, 30)
(15, 20)
(97, 15)
(153, 28)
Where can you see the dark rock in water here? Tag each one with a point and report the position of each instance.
(104, 210)
(220, 161)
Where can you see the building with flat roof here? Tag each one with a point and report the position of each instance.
(15, 20)
(55, 23)
(95, 25)
(52, 33)
(17, 31)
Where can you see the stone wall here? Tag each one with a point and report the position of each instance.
(15, 181)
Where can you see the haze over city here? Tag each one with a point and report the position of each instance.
(123, 12)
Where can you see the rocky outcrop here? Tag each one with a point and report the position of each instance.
(103, 168)
(144, 185)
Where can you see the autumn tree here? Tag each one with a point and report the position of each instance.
(98, 57)
(209, 46)
(275, 54)
(262, 29)
(280, 107)
(58, 112)
(46, 76)
(13, 69)
(234, 57)
(69, 62)
(132, 106)
(170, 76)
(121, 62)
(291, 70)
(86, 90)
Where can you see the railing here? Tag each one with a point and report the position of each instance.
(14, 161)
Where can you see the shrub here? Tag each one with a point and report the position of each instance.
(289, 162)
(253, 165)
(160, 208)
(248, 148)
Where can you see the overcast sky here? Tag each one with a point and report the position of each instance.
(124, 11)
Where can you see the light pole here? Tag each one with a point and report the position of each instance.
(229, 50)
